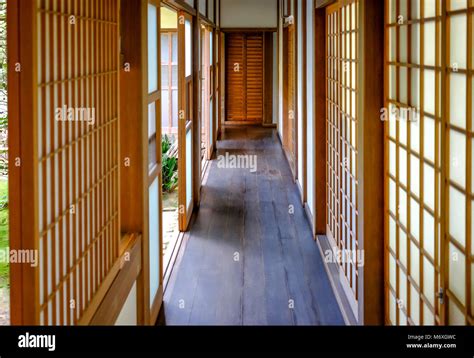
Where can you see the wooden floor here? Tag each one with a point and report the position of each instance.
(248, 259)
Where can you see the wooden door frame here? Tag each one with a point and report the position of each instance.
(152, 309)
(206, 86)
(290, 119)
(185, 108)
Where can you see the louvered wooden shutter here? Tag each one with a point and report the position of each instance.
(244, 87)
(235, 77)
(254, 77)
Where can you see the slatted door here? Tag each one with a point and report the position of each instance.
(254, 77)
(235, 78)
(244, 78)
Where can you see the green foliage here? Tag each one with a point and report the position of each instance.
(170, 173)
(165, 144)
(170, 166)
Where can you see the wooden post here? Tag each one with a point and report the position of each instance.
(371, 161)
(23, 154)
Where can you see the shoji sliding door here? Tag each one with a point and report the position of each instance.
(70, 158)
(342, 141)
(458, 184)
(429, 162)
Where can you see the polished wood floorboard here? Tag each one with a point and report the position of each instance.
(248, 259)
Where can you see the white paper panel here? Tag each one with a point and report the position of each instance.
(428, 280)
(403, 9)
(402, 197)
(457, 215)
(393, 44)
(392, 234)
(429, 186)
(415, 219)
(457, 273)
(415, 43)
(403, 165)
(403, 44)
(429, 43)
(403, 72)
(458, 41)
(415, 175)
(429, 138)
(415, 9)
(403, 248)
(457, 99)
(415, 136)
(428, 233)
(403, 129)
(393, 82)
(456, 318)
(414, 305)
(402, 289)
(457, 157)
(429, 91)
(430, 8)
(392, 124)
(415, 263)
(393, 309)
(428, 317)
(393, 196)
(392, 11)
(458, 4)
(393, 159)
(415, 88)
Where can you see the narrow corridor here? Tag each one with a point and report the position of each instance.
(249, 258)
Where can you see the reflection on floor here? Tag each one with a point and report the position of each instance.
(249, 258)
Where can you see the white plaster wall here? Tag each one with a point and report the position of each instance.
(249, 13)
